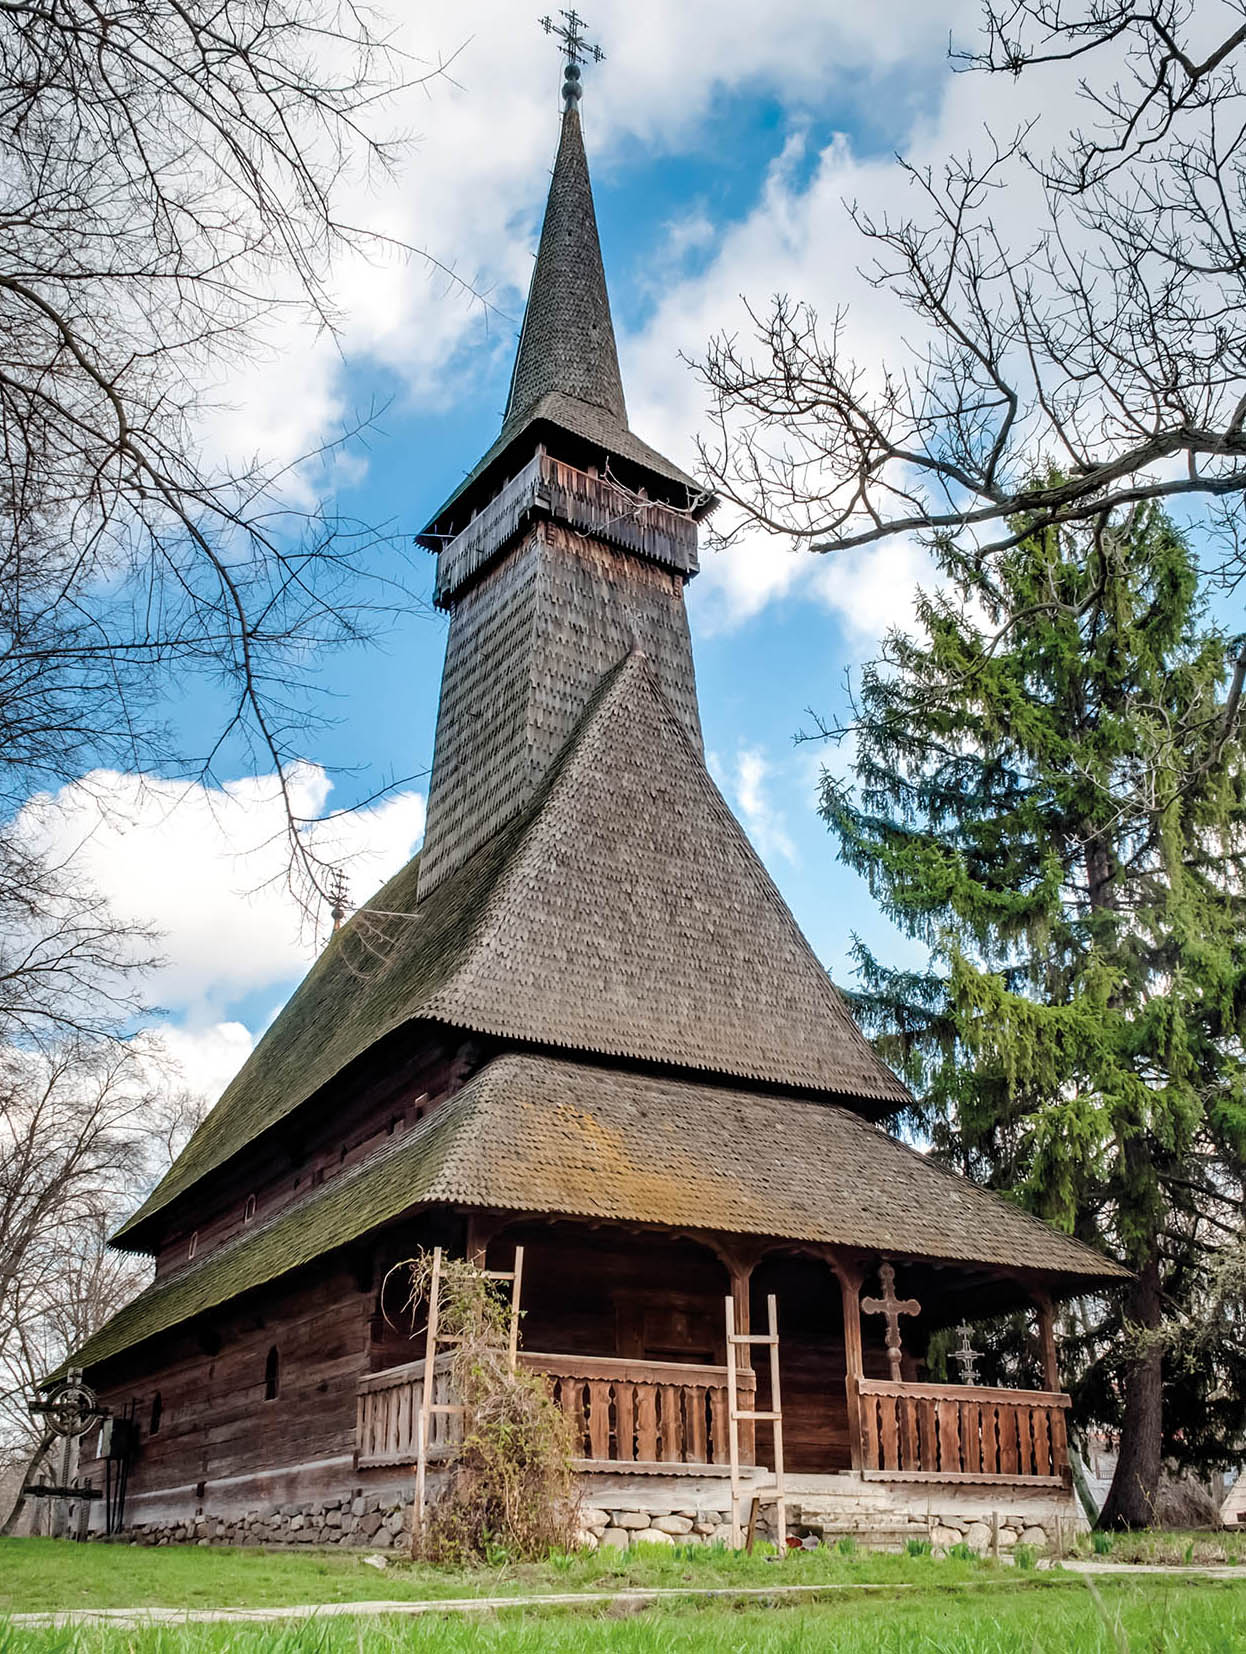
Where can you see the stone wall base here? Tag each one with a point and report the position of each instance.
(366, 1521)
(620, 1511)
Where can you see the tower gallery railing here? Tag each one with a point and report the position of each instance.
(627, 1415)
(587, 501)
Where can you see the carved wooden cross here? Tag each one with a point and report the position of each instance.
(893, 1308)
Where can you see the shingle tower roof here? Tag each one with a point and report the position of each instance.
(566, 378)
(567, 343)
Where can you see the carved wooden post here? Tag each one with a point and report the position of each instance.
(740, 1270)
(1047, 1341)
(481, 1228)
(850, 1277)
(739, 1259)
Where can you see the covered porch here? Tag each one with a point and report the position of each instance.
(628, 1325)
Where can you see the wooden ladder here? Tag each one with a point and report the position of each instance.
(434, 1337)
(773, 1492)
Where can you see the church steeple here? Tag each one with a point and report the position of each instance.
(567, 345)
(565, 550)
(566, 391)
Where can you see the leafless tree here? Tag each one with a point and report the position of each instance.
(1102, 363)
(174, 177)
(83, 1133)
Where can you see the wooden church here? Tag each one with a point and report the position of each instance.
(582, 1020)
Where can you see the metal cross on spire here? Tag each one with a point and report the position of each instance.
(578, 50)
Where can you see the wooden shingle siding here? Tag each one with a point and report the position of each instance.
(529, 645)
(588, 504)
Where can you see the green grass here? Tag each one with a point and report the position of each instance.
(1055, 1617)
(927, 1604)
(1174, 1547)
(42, 1574)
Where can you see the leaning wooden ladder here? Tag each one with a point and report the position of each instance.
(429, 1407)
(773, 1493)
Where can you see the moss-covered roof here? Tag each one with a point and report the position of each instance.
(624, 915)
(542, 1135)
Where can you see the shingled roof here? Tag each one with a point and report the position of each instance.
(547, 1136)
(624, 915)
(566, 374)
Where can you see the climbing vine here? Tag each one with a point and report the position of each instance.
(509, 1486)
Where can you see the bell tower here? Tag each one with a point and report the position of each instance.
(566, 548)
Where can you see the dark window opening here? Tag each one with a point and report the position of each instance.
(272, 1375)
(248, 1211)
(157, 1409)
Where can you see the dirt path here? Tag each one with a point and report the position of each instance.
(631, 1598)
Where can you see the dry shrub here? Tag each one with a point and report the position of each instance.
(510, 1488)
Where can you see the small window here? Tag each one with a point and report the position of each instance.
(157, 1411)
(193, 1246)
(248, 1211)
(272, 1375)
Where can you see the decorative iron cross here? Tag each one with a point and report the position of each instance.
(578, 50)
(965, 1356)
(568, 31)
(893, 1308)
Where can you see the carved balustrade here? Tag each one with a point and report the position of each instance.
(962, 1433)
(636, 1415)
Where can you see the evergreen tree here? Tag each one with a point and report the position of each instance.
(1047, 790)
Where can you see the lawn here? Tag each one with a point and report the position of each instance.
(921, 1603)
(43, 1574)
(1046, 1617)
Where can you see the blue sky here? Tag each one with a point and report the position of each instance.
(723, 145)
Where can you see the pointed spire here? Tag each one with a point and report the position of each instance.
(567, 344)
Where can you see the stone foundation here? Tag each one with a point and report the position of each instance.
(620, 1511)
(366, 1521)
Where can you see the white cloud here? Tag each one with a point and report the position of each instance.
(760, 816)
(470, 189)
(202, 1060)
(205, 867)
(873, 589)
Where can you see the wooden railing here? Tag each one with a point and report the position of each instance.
(645, 1415)
(636, 1415)
(958, 1432)
(589, 502)
(388, 1410)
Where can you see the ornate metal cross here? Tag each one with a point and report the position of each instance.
(578, 50)
(568, 31)
(965, 1356)
(893, 1308)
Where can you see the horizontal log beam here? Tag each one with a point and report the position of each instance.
(963, 1392)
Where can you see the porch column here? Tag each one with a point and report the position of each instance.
(739, 1259)
(850, 1277)
(740, 1270)
(481, 1228)
(1047, 1341)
